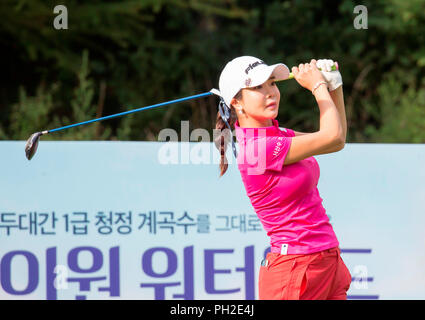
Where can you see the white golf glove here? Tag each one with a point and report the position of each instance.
(333, 78)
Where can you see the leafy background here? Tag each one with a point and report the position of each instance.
(119, 55)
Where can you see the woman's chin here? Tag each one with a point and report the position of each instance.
(272, 111)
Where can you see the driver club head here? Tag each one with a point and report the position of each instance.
(32, 144)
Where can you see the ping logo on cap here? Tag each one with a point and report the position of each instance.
(253, 65)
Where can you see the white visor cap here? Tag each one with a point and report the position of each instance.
(246, 72)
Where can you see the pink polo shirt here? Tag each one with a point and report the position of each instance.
(285, 197)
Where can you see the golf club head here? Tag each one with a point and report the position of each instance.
(32, 144)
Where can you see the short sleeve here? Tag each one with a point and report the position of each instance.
(291, 132)
(267, 153)
(277, 149)
(287, 132)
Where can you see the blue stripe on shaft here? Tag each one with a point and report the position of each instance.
(205, 94)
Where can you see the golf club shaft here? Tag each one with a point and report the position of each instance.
(205, 94)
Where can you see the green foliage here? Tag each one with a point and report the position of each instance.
(31, 113)
(35, 113)
(83, 109)
(121, 55)
(402, 113)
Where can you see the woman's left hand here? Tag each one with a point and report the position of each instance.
(333, 78)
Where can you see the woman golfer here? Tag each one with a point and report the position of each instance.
(280, 174)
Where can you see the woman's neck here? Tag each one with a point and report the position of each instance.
(253, 123)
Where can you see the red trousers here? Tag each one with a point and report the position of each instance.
(317, 276)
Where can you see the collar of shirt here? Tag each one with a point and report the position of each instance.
(241, 133)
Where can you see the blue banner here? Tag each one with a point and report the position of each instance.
(114, 220)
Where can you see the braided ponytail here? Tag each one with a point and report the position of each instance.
(223, 139)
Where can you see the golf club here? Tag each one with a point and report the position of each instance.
(32, 142)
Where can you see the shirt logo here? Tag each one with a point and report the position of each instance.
(277, 146)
